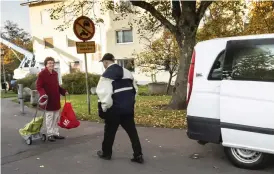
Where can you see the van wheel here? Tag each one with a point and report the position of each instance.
(247, 159)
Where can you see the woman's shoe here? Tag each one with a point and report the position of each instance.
(58, 137)
(51, 139)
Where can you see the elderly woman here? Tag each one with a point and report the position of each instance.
(47, 84)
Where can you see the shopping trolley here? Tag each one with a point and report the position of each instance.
(32, 130)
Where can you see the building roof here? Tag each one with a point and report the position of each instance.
(32, 3)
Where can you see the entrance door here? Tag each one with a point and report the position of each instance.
(247, 95)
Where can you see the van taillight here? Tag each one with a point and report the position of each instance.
(190, 77)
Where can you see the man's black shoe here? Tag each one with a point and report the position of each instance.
(101, 155)
(58, 137)
(51, 139)
(138, 159)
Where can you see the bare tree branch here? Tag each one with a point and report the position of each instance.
(176, 10)
(156, 29)
(202, 9)
(148, 7)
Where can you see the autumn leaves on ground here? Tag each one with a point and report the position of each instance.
(148, 111)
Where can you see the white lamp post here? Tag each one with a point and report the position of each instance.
(2, 56)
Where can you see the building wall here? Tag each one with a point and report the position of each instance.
(105, 38)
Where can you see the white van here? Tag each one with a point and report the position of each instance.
(231, 97)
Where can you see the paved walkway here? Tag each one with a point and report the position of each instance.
(166, 151)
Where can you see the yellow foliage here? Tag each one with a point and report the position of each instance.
(227, 18)
(160, 54)
(224, 19)
(261, 18)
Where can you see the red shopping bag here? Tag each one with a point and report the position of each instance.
(68, 118)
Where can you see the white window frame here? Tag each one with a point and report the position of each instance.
(41, 17)
(123, 64)
(68, 42)
(45, 45)
(122, 30)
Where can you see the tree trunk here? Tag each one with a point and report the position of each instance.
(179, 95)
(169, 81)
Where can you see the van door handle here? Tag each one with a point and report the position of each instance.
(199, 75)
(217, 89)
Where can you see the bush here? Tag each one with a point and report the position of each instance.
(75, 83)
(29, 81)
(143, 90)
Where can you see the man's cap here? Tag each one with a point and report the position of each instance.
(108, 56)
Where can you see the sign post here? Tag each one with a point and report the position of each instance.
(87, 86)
(84, 29)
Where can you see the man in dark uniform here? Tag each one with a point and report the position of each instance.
(116, 91)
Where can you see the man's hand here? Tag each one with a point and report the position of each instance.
(67, 93)
(104, 108)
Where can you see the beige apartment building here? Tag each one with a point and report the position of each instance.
(116, 37)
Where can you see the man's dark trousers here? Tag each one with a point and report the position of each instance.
(112, 123)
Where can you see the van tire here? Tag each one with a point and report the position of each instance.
(260, 160)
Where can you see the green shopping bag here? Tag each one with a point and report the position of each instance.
(32, 127)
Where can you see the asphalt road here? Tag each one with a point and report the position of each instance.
(166, 151)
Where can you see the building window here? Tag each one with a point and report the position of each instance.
(74, 66)
(71, 43)
(124, 36)
(126, 63)
(27, 63)
(45, 17)
(68, 14)
(120, 5)
(125, 4)
(48, 42)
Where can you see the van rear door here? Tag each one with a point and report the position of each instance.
(247, 95)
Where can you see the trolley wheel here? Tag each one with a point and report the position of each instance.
(29, 141)
(44, 137)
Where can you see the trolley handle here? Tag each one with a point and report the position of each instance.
(66, 97)
(43, 97)
(41, 104)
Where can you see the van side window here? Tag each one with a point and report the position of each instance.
(254, 63)
(217, 68)
(27, 64)
(33, 62)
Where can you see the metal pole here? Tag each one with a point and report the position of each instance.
(4, 73)
(86, 66)
(88, 97)
(20, 97)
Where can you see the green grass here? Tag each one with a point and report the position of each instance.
(9, 94)
(148, 110)
(143, 89)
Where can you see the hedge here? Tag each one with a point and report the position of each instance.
(75, 83)
(29, 81)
